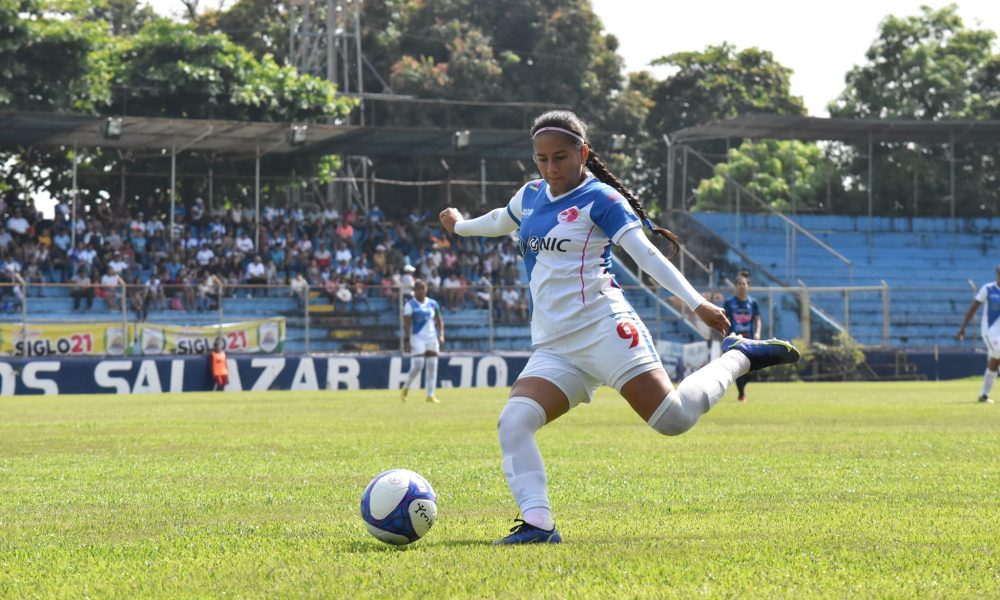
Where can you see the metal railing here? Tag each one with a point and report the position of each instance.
(792, 228)
(480, 317)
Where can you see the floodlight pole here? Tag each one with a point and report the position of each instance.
(951, 177)
(871, 185)
(173, 175)
(684, 179)
(76, 194)
(256, 191)
(670, 172)
(482, 181)
(256, 197)
(173, 191)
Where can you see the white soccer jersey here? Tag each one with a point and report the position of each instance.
(989, 296)
(423, 317)
(566, 245)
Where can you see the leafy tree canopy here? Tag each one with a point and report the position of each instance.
(781, 173)
(929, 66)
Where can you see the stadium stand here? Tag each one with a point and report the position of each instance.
(927, 266)
(353, 266)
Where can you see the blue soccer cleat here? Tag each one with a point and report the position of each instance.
(526, 533)
(762, 353)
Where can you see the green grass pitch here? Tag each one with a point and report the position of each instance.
(809, 490)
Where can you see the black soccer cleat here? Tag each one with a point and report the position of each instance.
(762, 353)
(526, 533)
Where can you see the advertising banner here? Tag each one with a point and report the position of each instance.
(680, 360)
(159, 374)
(247, 337)
(64, 339)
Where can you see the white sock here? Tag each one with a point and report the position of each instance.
(432, 374)
(416, 366)
(522, 462)
(539, 517)
(988, 378)
(698, 393)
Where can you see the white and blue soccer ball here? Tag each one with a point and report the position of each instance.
(399, 507)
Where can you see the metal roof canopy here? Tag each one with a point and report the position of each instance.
(49, 130)
(505, 144)
(852, 131)
(249, 139)
(245, 138)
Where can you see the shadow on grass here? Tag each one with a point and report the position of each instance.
(374, 546)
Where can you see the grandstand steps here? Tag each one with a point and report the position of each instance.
(926, 266)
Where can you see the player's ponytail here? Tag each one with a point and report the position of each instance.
(569, 124)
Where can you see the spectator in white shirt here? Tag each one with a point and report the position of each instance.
(138, 224)
(514, 306)
(62, 240)
(17, 224)
(155, 225)
(450, 286)
(244, 244)
(299, 289)
(204, 256)
(343, 253)
(118, 264)
(256, 275)
(109, 288)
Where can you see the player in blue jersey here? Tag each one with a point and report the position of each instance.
(584, 332)
(988, 295)
(744, 319)
(423, 332)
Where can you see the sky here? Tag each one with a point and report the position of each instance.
(819, 41)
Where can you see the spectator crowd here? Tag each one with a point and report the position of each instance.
(120, 255)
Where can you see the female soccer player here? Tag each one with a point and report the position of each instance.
(989, 295)
(423, 329)
(744, 318)
(583, 330)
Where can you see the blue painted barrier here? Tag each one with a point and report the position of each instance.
(153, 375)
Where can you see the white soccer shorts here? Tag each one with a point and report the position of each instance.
(421, 344)
(610, 352)
(991, 336)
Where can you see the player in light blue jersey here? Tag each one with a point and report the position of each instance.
(988, 297)
(584, 332)
(423, 332)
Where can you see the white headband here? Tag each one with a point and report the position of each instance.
(560, 130)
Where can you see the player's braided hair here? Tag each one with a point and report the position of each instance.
(564, 119)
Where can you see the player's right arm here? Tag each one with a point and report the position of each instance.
(977, 301)
(497, 222)
(407, 325)
(971, 312)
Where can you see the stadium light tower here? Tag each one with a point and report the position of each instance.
(325, 41)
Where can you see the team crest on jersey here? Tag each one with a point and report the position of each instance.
(569, 215)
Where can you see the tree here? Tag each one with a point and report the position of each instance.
(525, 51)
(717, 83)
(928, 67)
(36, 51)
(167, 69)
(787, 175)
(260, 26)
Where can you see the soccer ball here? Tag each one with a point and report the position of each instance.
(398, 507)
